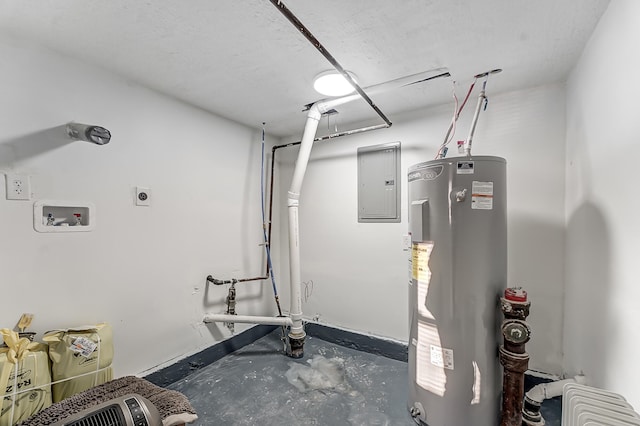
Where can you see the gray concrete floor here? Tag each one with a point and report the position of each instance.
(332, 385)
(344, 387)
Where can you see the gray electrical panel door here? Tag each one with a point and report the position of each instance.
(379, 183)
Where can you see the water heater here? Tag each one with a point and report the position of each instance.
(457, 219)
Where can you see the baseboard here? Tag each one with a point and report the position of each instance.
(361, 342)
(188, 365)
(350, 339)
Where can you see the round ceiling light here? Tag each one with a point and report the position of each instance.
(332, 83)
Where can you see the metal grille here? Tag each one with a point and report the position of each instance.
(587, 406)
(107, 416)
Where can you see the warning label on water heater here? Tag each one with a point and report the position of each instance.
(482, 195)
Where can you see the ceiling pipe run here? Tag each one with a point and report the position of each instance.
(313, 40)
(397, 83)
(409, 80)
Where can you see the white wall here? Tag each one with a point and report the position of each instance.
(359, 270)
(603, 232)
(142, 269)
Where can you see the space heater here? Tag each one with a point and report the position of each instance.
(588, 406)
(127, 410)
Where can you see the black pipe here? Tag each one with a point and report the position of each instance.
(318, 139)
(216, 281)
(321, 138)
(305, 32)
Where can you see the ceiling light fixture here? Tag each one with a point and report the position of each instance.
(332, 83)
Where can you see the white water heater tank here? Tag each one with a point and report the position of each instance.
(457, 219)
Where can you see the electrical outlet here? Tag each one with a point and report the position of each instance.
(143, 196)
(18, 187)
(406, 242)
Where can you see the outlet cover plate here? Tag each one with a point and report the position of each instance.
(18, 186)
(143, 196)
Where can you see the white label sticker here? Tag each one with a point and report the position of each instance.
(428, 375)
(465, 168)
(441, 357)
(83, 346)
(482, 195)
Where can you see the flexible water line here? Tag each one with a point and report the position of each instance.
(267, 243)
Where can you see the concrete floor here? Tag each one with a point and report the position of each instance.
(341, 386)
(332, 385)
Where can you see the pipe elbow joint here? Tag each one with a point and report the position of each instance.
(316, 111)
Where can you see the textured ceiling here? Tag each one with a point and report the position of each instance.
(244, 61)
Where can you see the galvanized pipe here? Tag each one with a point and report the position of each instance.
(514, 359)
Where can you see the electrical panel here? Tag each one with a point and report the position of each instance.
(379, 183)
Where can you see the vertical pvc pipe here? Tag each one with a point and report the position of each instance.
(297, 333)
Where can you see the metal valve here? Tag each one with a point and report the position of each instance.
(461, 195)
(516, 332)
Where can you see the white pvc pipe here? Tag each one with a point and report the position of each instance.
(295, 310)
(293, 203)
(247, 319)
(549, 390)
(383, 87)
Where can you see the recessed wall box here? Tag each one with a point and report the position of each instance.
(63, 216)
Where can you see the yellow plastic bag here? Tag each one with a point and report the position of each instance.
(82, 355)
(25, 379)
